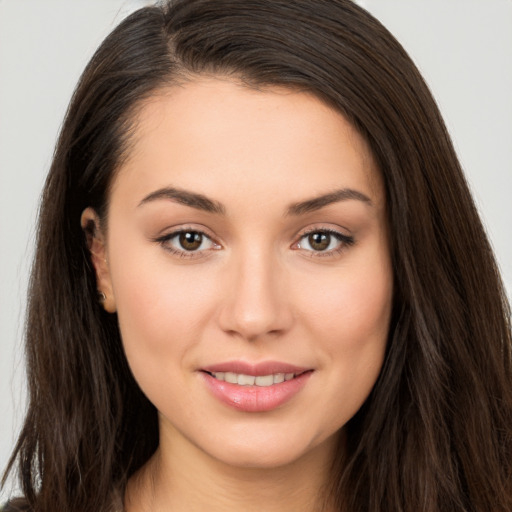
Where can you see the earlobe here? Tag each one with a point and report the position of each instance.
(96, 244)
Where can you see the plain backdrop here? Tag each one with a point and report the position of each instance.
(462, 47)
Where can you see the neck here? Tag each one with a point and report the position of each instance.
(191, 481)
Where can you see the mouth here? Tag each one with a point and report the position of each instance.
(255, 388)
(243, 379)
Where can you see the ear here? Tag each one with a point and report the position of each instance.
(98, 250)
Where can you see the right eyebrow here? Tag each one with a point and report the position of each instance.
(187, 198)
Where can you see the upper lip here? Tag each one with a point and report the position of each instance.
(255, 369)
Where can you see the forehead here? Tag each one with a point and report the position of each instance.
(214, 134)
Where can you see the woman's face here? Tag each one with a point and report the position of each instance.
(249, 264)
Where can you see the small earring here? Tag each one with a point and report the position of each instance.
(101, 297)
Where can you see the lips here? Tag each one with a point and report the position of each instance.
(255, 388)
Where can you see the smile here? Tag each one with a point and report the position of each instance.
(251, 380)
(259, 387)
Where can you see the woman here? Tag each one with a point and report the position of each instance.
(201, 334)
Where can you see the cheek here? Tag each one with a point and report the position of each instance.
(349, 321)
(353, 309)
(161, 309)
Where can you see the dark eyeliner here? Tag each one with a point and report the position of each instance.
(164, 239)
(346, 241)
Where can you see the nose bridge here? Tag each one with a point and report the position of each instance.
(257, 303)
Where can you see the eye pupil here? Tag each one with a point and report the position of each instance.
(319, 241)
(190, 240)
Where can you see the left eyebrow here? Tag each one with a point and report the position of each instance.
(316, 203)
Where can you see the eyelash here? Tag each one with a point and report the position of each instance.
(165, 240)
(345, 241)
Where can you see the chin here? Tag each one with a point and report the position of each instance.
(270, 450)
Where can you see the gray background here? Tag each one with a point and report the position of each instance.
(463, 48)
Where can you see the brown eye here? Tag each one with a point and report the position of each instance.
(188, 243)
(319, 241)
(324, 242)
(190, 240)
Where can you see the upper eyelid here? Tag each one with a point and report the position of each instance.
(323, 228)
(336, 234)
(168, 233)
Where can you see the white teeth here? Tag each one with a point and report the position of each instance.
(264, 380)
(246, 380)
(231, 377)
(250, 380)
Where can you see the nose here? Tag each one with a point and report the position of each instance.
(256, 303)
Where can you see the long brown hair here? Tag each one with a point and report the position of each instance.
(436, 432)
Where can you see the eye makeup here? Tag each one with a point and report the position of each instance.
(189, 242)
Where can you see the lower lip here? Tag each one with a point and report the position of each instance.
(256, 398)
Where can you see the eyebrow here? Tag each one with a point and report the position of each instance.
(201, 202)
(192, 199)
(317, 203)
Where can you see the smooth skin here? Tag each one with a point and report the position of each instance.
(284, 256)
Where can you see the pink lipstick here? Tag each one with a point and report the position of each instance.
(257, 387)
